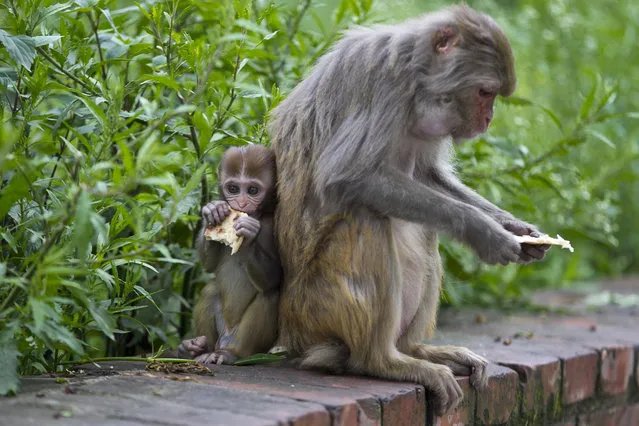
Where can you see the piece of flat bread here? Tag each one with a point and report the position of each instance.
(225, 233)
(545, 239)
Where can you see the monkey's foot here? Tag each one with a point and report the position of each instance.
(218, 357)
(192, 348)
(278, 349)
(462, 361)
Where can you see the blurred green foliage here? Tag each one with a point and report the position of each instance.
(114, 115)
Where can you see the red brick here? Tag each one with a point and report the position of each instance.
(405, 409)
(580, 364)
(401, 402)
(580, 375)
(345, 397)
(464, 414)
(539, 374)
(498, 402)
(349, 415)
(616, 369)
(630, 416)
(611, 417)
(316, 418)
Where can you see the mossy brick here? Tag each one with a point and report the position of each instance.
(579, 365)
(616, 369)
(539, 375)
(498, 402)
(617, 416)
(401, 403)
(464, 414)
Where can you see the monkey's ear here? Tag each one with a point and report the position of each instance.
(445, 40)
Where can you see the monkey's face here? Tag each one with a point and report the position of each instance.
(247, 179)
(244, 194)
(475, 107)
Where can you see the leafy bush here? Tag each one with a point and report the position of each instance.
(114, 118)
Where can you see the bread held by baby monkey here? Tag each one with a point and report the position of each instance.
(225, 232)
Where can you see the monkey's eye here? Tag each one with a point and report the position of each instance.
(486, 94)
(446, 99)
(233, 189)
(253, 190)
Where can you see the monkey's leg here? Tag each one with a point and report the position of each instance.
(345, 302)
(462, 361)
(256, 332)
(206, 315)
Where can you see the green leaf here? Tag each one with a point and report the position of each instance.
(82, 230)
(43, 40)
(18, 187)
(602, 138)
(259, 359)
(40, 311)
(20, 48)
(553, 117)
(193, 181)
(161, 79)
(93, 108)
(104, 321)
(588, 102)
(9, 353)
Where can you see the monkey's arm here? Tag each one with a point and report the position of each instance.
(448, 183)
(263, 265)
(389, 192)
(451, 185)
(209, 252)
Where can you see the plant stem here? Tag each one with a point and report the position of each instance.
(63, 71)
(127, 358)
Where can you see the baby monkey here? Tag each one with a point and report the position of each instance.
(236, 314)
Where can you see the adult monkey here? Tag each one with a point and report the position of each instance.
(365, 183)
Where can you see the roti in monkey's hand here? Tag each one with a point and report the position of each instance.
(225, 233)
(545, 239)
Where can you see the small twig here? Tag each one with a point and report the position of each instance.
(94, 26)
(63, 146)
(14, 109)
(63, 71)
(170, 42)
(128, 358)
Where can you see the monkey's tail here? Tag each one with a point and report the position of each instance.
(330, 357)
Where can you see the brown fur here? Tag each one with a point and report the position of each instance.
(365, 183)
(237, 312)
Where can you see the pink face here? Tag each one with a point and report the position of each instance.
(244, 194)
(483, 100)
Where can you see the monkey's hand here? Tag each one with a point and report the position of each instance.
(529, 252)
(247, 227)
(215, 212)
(221, 356)
(492, 243)
(192, 348)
